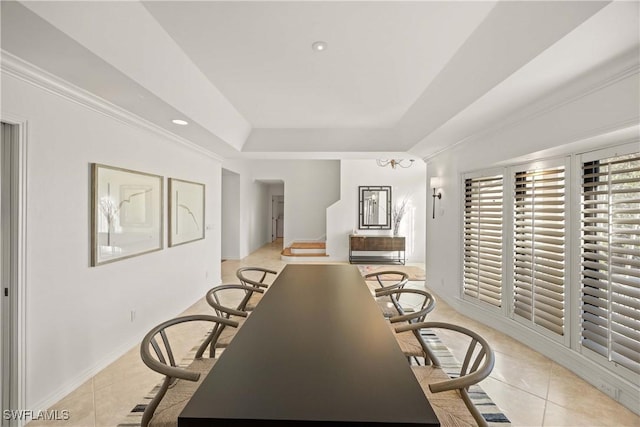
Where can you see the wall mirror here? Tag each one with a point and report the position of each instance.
(374, 206)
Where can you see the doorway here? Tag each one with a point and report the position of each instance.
(230, 215)
(11, 266)
(277, 217)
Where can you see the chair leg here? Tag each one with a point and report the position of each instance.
(430, 358)
(472, 408)
(151, 407)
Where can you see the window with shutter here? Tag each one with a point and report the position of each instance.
(483, 239)
(539, 248)
(611, 259)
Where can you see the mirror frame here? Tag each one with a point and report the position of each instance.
(361, 224)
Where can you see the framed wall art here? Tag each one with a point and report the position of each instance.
(126, 213)
(374, 207)
(186, 211)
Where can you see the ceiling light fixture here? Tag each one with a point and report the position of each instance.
(394, 162)
(179, 122)
(319, 46)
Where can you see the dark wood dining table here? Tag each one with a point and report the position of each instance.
(315, 351)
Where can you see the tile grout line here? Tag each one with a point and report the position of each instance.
(545, 397)
(93, 396)
(546, 400)
(516, 387)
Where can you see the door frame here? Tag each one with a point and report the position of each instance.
(18, 267)
(275, 200)
(274, 232)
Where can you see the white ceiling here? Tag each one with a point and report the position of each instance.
(381, 56)
(396, 76)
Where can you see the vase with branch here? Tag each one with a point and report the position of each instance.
(397, 213)
(111, 210)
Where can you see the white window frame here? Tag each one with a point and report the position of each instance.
(565, 162)
(506, 239)
(581, 158)
(627, 380)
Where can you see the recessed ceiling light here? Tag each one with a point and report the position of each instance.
(319, 46)
(179, 122)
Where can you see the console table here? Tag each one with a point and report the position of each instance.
(394, 248)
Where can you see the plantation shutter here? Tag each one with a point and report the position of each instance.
(611, 259)
(539, 247)
(483, 239)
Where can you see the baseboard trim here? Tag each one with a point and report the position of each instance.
(585, 368)
(86, 375)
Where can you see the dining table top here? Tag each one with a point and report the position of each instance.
(315, 350)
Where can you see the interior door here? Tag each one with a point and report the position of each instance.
(8, 269)
(3, 309)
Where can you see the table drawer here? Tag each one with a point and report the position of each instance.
(377, 243)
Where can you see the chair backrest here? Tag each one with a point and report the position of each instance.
(162, 359)
(398, 279)
(425, 303)
(477, 365)
(215, 297)
(395, 279)
(478, 361)
(219, 296)
(254, 276)
(156, 352)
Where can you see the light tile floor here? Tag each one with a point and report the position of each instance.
(530, 388)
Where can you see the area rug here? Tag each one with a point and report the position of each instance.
(415, 273)
(450, 365)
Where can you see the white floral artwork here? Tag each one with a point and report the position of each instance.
(126, 214)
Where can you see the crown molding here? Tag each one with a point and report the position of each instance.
(620, 68)
(14, 66)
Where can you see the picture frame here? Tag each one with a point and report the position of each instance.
(374, 207)
(126, 213)
(186, 211)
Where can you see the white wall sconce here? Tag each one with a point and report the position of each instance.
(394, 162)
(436, 184)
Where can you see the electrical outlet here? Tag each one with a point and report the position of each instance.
(608, 389)
(133, 315)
